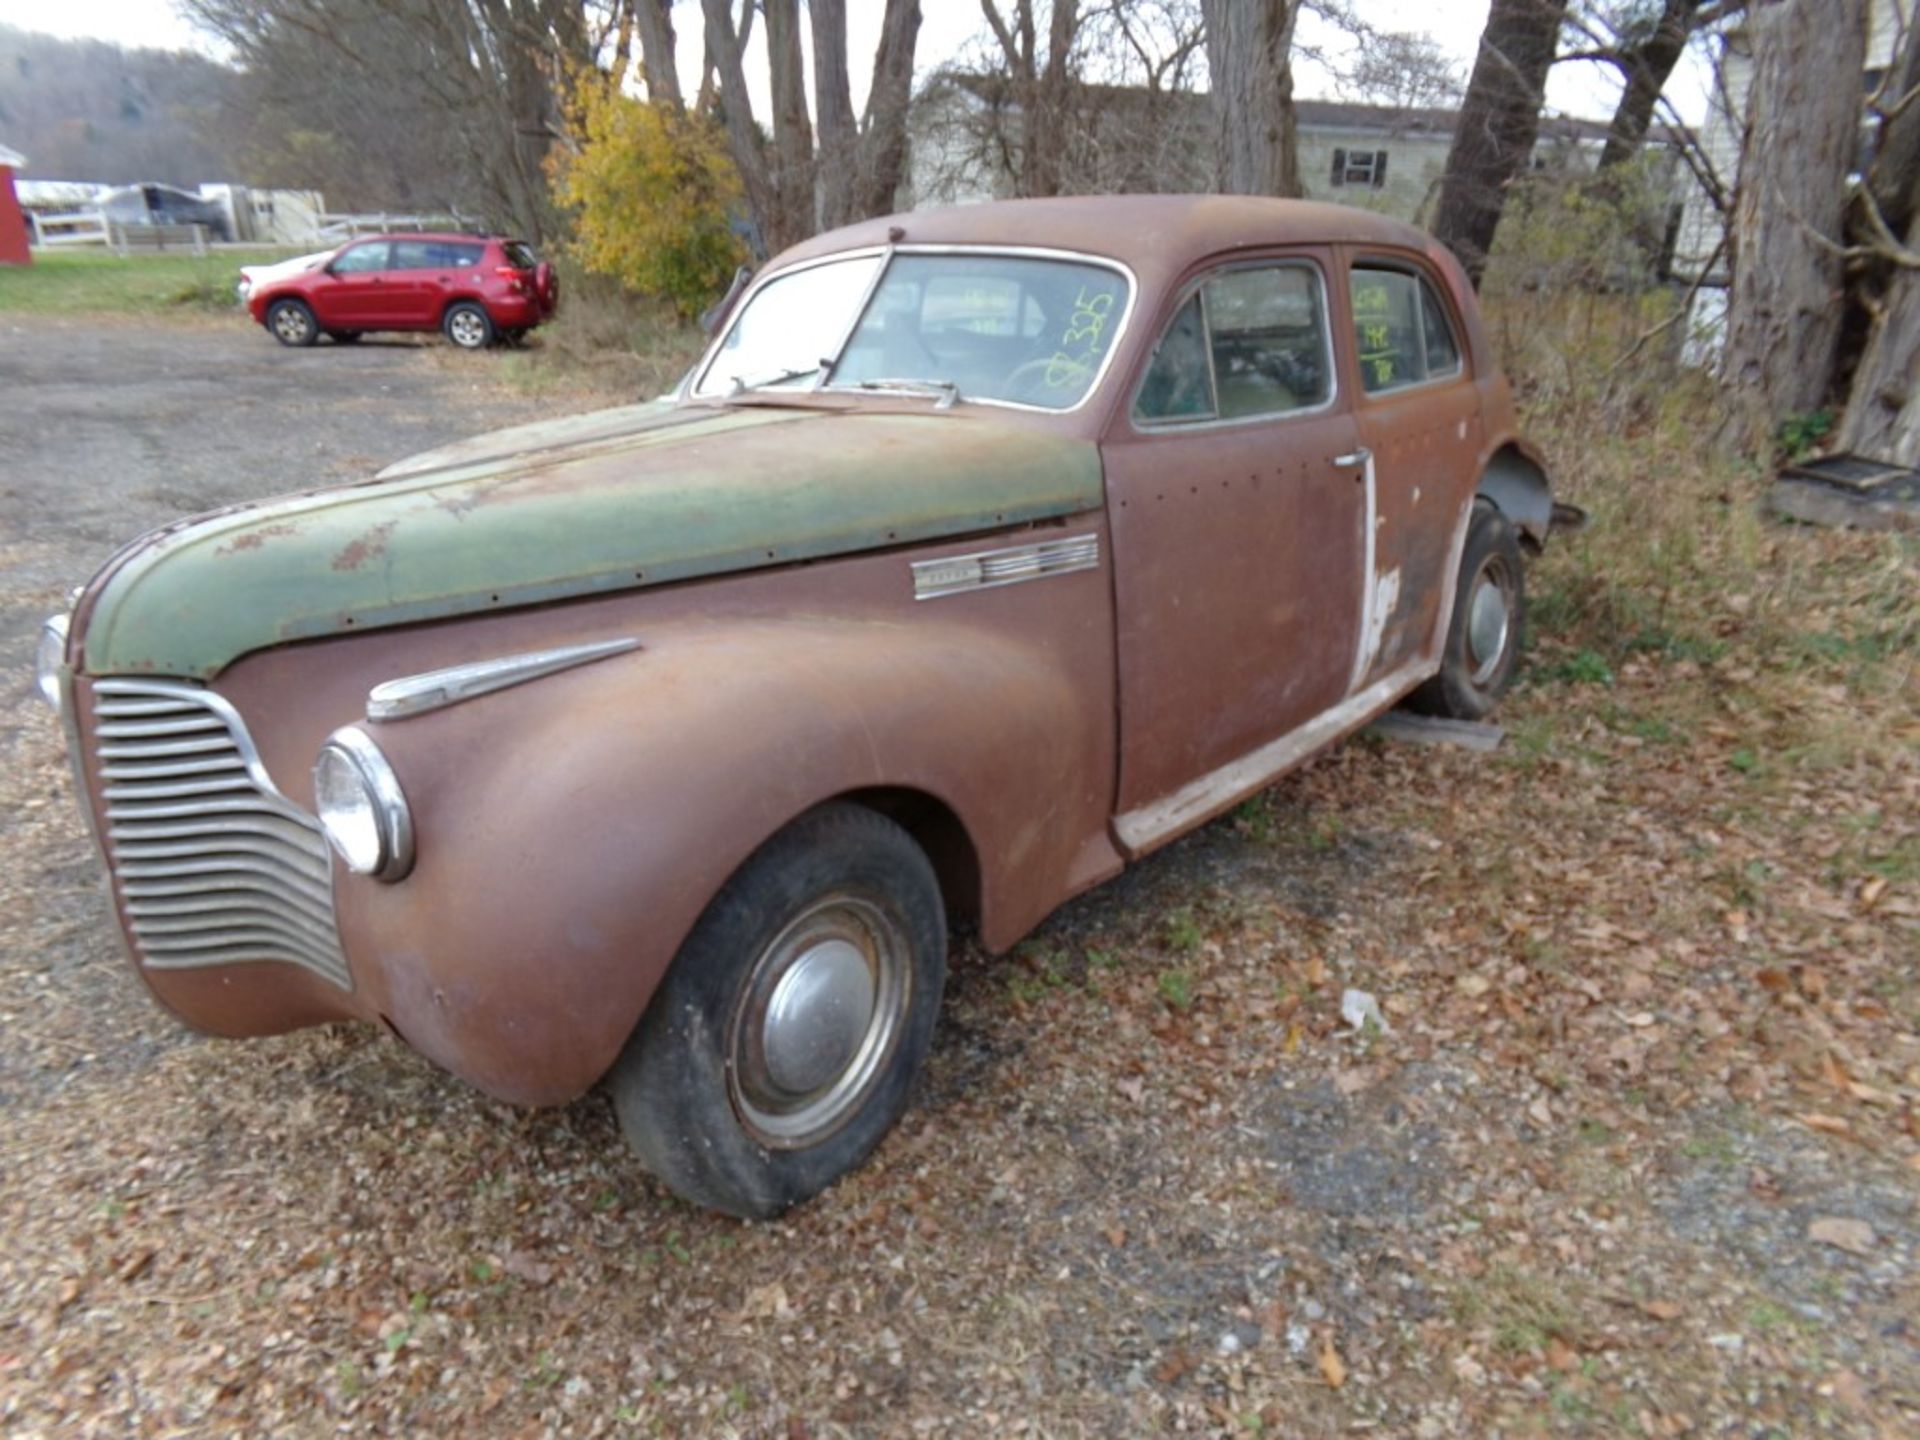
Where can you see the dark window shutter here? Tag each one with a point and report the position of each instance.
(1339, 167)
(1379, 168)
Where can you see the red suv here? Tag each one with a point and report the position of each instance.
(474, 289)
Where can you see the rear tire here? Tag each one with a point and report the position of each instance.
(782, 1045)
(1483, 637)
(292, 323)
(468, 325)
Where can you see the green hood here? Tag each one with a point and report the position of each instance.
(656, 496)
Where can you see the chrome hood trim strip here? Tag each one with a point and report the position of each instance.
(410, 695)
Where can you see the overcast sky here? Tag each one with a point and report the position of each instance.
(946, 29)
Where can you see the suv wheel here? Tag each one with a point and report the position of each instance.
(781, 1046)
(468, 325)
(292, 323)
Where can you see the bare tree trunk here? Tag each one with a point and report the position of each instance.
(792, 129)
(1802, 134)
(1882, 419)
(833, 102)
(655, 21)
(1499, 122)
(1647, 65)
(1248, 45)
(1042, 89)
(883, 149)
(724, 48)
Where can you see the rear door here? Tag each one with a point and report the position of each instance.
(1419, 415)
(1236, 499)
(421, 281)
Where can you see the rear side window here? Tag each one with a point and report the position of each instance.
(435, 255)
(519, 254)
(1251, 342)
(1401, 330)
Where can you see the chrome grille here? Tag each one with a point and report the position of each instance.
(214, 865)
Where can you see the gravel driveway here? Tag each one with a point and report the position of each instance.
(1605, 1174)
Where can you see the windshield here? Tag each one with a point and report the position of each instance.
(980, 326)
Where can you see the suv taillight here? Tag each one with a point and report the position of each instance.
(514, 276)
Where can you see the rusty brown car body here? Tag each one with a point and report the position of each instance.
(1035, 639)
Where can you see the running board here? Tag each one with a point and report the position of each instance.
(1151, 826)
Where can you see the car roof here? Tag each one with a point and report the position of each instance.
(1151, 233)
(464, 237)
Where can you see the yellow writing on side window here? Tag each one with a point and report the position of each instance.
(1371, 300)
(1086, 330)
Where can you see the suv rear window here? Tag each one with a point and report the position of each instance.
(520, 254)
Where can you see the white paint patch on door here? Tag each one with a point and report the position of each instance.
(1385, 600)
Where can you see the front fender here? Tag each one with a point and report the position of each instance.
(571, 831)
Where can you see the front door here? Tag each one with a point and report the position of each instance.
(1237, 501)
(1419, 414)
(353, 292)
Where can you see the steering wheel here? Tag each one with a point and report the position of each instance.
(1052, 372)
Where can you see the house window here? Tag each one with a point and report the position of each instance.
(1366, 169)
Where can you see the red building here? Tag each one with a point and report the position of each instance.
(13, 225)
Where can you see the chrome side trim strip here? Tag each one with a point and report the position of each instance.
(985, 569)
(436, 689)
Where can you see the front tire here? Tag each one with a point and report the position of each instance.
(292, 323)
(1483, 637)
(781, 1047)
(468, 325)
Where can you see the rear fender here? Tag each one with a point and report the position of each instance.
(571, 831)
(1515, 480)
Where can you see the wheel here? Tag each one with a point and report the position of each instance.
(1483, 637)
(468, 325)
(782, 1044)
(344, 337)
(292, 323)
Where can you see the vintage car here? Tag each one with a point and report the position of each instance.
(986, 550)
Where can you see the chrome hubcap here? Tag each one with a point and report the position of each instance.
(467, 329)
(817, 1019)
(290, 324)
(1489, 622)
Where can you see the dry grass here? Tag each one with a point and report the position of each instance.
(605, 345)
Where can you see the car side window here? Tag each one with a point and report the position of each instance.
(1250, 342)
(413, 255)
(1443, 351)
(361, 259)
(1178, 385)
(1401, 330)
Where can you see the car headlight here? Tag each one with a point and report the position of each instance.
(362, 808)
(50, 657)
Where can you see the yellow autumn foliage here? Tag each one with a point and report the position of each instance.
(651, 189)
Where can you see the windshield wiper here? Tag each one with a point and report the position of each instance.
(782, 377)
(945, 389)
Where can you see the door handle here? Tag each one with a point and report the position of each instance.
(1358, 457)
